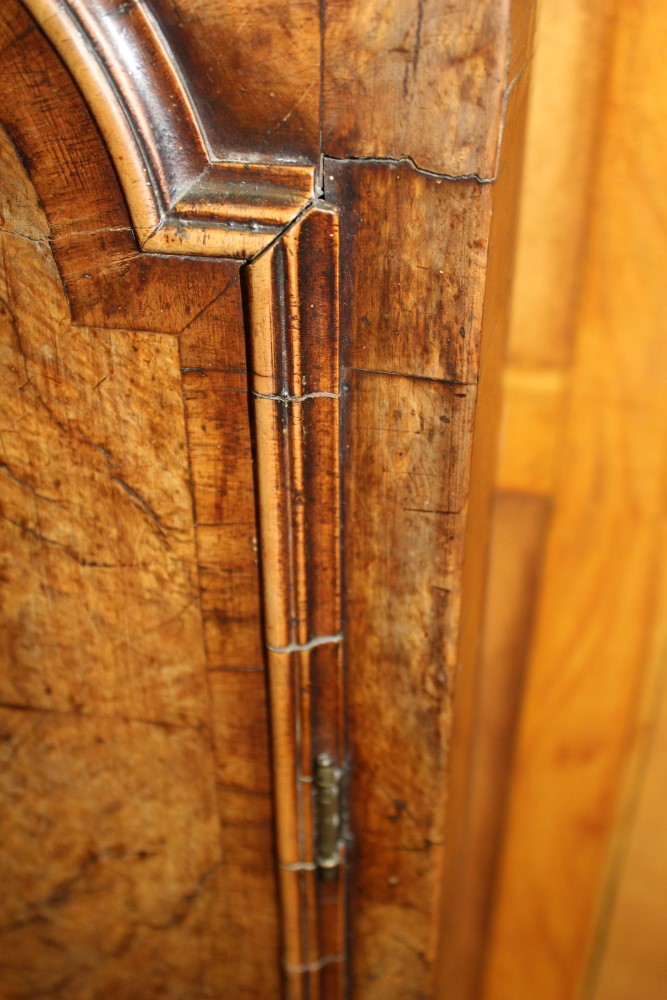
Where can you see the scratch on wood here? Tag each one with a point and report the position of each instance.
(140, 500)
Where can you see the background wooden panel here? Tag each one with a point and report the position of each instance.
(628, 956)
(584, 431)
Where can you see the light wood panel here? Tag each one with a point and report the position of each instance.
(599, 607)
(100, 589)
(628, 958)
(111, 849)
(110, 862)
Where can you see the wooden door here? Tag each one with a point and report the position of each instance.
(255, 266)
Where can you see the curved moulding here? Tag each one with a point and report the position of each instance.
(180, 199)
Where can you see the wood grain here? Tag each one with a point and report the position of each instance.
(628, 957)
(110, 860)
(178, 199)
(101, 589)
(425, 267)
(223, 508)
(567, 86)
(104, 274)
(424, 318)
(423, 81)
(432, 286)
(111, 855)
(407, 442)
(292, 298)
(101, 602)
(600, 606)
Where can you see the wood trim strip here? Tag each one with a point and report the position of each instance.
(292, 297)
(180, 199)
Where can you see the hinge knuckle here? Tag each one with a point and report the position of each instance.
(327, 800)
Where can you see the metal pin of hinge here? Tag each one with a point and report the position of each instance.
(327, 800)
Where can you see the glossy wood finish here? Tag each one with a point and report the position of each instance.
(180, 201)
(140, 235)
(254, 71)
(293, 293)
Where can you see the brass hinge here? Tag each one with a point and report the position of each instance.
(327, 800)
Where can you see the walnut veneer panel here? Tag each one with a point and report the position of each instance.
(111, 862)
(377, 456)
(101, 595)
(131, 667)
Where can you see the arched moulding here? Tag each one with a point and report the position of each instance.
(180, 199)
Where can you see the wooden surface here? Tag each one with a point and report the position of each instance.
(418, 311)
(114, 602)
(193, 161)
(294, 335)
(180, 199)
(113, 858)
(83, 502)
(254, 72)
(584, 432)
(472, 820)
(425, 83)
(628, 955)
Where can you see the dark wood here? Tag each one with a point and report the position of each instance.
(254, 73)
(180, 199)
